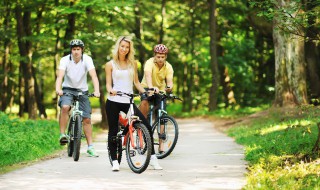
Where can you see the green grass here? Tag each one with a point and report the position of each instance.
(176, 110)
(278, 147)
(23, 141)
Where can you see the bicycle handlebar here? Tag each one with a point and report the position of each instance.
(119, 93)
(79, 94)
(165, 95)
(170, 96)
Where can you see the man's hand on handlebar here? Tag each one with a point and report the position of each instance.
(59, 92)
(168, 89)
(96, 94)
(153, 90)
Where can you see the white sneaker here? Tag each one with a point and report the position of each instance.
(115, 165)
(154, 163)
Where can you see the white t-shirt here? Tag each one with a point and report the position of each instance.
(76, 73)
(121, 82)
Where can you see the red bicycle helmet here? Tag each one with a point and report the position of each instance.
(160, 48)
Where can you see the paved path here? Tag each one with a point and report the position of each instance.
(204, 158)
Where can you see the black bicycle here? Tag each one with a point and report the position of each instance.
(134, 136)
(165, 129)
(74, 131)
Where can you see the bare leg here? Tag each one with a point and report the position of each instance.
(87, 130)
(144, 108)
(64, 116)
(160, 140)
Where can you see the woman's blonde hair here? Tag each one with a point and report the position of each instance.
(129, 57)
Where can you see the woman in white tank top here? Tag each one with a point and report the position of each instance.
(121, 74)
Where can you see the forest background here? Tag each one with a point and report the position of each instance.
(226, 54)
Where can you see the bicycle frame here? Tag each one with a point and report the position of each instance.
(161, 110)
(74, 110)
(129, 121)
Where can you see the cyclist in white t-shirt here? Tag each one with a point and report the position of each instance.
(73, 71)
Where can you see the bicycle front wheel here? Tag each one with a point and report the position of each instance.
(165, 136)
(138, 148)
(70, 140)
(77, 137)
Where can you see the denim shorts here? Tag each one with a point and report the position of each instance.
(84, 103)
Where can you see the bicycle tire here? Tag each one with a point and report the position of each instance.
(118, 152)
(138, 157)
(172, 129)
(70, 141)
(77, 137)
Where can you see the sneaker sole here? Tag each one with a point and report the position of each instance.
(94, 156)
(63, 141)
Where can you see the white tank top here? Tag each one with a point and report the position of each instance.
(123, 82)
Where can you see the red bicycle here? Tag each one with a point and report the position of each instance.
(134, 137)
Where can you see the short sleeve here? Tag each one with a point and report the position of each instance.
(63, 63)
(169, 71)
(88, 62)
(148, 66)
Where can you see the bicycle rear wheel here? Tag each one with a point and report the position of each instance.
(77, 137)
(165, 134)
(70, 140)
(138, 157)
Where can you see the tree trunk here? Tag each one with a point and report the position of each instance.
(191, 71)
(228, 93)
(185, 90)
(163, 14)
(56, 58)
(312, 60)
(5, 84)
(24, 30)
(290, 74)
(104, 122)
(69, 30)
(213, 96)
(312, 55)
(38, 92)
(138, 33)
(21, 92)
(38, 95)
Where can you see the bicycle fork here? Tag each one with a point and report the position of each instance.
(139, 136)
(161, 130)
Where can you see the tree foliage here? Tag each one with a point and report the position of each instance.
(245, 49)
